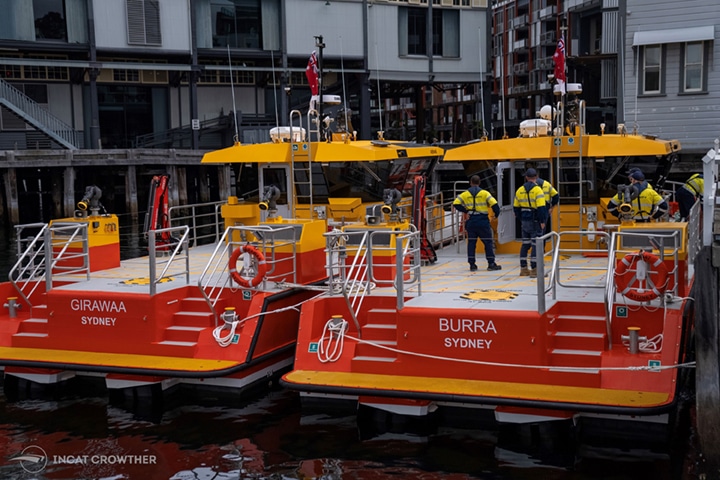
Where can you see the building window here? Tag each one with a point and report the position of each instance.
(413, 32)
(211, 76)
(236, 23)
(143, 17)
(50, 20)
(652, 69)
(694, 67)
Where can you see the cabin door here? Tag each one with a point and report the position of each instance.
(278, 175)
(505, 192)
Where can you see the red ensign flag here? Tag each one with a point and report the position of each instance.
(559, 59)
(311, 72)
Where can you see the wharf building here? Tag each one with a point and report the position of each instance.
(112, 93)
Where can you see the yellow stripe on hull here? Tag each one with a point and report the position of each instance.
(507, 390)
(121, 360)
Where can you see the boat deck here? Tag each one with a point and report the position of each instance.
(132, 276)
(448, 282)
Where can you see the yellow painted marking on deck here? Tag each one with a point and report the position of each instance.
(145, 281)
(115, 359)
(449, 386)
(490, 295)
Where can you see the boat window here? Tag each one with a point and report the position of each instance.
(277, 177)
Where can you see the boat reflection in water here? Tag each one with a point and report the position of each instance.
(269, 438)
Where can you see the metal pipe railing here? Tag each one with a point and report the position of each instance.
(36, 114)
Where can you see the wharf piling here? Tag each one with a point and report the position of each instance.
(39, 185)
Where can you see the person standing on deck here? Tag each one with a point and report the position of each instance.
(476, 203)
(689, 193)
(531, 209)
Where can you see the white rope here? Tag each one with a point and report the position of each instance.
(534, 367)
(332, 341)
(653, 345)
(227, 340)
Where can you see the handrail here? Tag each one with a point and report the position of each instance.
(41, 257)
(192, 220)
(179, 246)
(357, 279)
(608, 285)
(215, 277)
(38, 116)
(407, 246)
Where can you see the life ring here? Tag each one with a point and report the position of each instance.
(261, 269)
(628, 284)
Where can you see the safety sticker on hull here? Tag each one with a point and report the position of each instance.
(145, 281)
(489, 295)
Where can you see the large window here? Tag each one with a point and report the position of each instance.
(236, 23)
(652, 69)
(693, 67)
(413, 32)
(50, 20)
(143, 17)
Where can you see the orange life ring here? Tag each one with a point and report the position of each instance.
(628, 284)
(261, 270)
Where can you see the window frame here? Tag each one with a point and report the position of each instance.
(443, 46)
(684, 89)
(642, 77)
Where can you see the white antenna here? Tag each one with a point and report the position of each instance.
(621, 54)
(637, 83)
(342, 73)
(377, 72)
(232, 90)
(502, 90)
(275, 85)
(482, 76)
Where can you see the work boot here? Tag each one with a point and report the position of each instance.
(524, 272)
(473, 267)
(532, 273)
(494, 266)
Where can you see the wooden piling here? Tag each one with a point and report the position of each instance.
(11, 192)
(131, 193)
(69, 202)
(707, 352)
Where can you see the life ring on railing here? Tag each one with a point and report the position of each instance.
(628, 284)
(261, 269)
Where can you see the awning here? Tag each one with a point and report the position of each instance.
(675, 35)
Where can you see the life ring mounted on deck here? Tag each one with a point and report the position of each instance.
(261, 268)
(628, 283)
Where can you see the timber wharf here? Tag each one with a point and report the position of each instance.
(39, 185)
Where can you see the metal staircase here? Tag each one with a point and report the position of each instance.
(38, 117)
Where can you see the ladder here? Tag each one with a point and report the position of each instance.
(301, 160)
(569, 165)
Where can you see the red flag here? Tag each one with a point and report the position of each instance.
(559, 59)
(311, 72)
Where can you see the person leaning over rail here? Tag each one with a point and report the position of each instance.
(530, 207)
(689, 193)
(646, 204)
(477, 203)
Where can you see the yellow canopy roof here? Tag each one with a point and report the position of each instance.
(357, 151)
(546, 148)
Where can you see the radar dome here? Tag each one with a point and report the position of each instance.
(546, 112)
